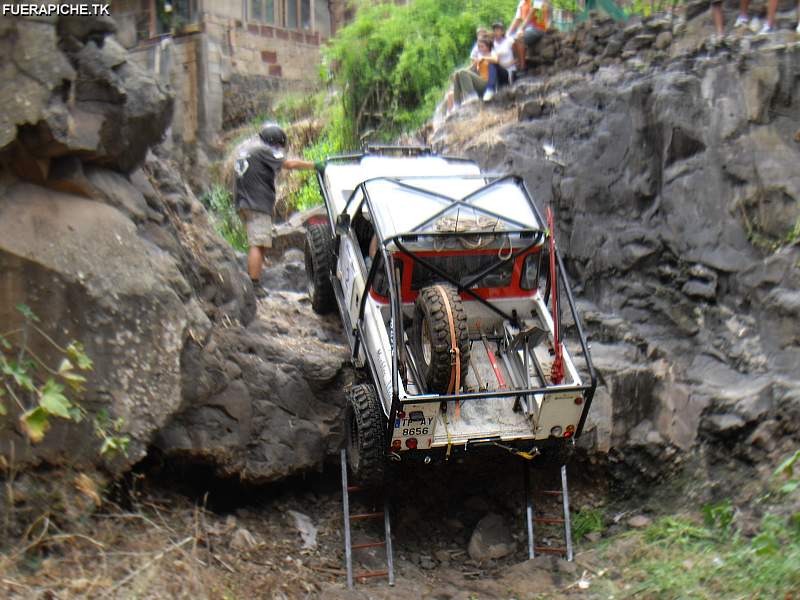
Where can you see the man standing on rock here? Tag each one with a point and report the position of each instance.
(257, 164)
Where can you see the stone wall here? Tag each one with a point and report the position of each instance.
(642, 42)
(226, 69)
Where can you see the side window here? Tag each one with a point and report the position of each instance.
(530, 271)
(365, 234)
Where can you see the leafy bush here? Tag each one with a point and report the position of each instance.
(41, 392)
(392, 62)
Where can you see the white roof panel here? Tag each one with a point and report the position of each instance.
(341, 178)
(399, 208)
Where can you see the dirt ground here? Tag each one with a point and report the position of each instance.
(173, 532)
(212, 539)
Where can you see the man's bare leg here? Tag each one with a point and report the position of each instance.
(519, 52)
(772, 10)
(744, 8)
(255, 261)
(716, 15)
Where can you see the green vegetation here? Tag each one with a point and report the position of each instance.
(586, 521)
(219, 202)
(38, 392)
(680, 558)
(686, 557)
(392, 62)
(389, 67)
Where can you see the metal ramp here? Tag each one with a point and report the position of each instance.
(548, 520)
(349, 547)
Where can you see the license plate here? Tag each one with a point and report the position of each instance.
(414, 427)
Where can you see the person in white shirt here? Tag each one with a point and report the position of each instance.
(481, 32)
(500, 72)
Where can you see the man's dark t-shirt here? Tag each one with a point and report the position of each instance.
(256, 167)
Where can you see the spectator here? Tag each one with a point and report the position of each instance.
(470, 84)
(743, 20)
(500, 72)
(480, 32)
(257, 164)
(527, 28)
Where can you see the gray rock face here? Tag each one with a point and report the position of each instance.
(124, 260)
(81, 267)
(181, 354)
(669, 179)
(278, 408)
(67, 88)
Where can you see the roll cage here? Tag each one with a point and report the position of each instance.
(341, 225)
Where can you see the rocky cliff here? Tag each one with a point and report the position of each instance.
(675, 186)
(106, 243)
(676, 189)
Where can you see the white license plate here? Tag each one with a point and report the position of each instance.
(414, 427)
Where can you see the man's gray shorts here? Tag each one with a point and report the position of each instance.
(259, 227)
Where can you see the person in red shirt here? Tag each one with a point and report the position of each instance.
(529, 24)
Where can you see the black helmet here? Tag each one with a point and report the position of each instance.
(272, 135)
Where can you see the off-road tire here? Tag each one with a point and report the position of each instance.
(430, 312)
(319, 259)
(365, 435)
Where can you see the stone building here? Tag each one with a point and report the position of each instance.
(226, 60)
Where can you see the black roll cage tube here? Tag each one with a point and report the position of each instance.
(395, 301)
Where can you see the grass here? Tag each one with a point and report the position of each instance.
(586, 521)
(219, 202)
(683, 557)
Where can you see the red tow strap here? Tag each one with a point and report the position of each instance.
(557, 370)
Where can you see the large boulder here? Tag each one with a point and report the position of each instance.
(67, 88)
(279, 407)
(83, 270)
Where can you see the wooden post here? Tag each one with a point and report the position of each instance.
(152, 22)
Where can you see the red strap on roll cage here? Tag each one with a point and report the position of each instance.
(557, 370)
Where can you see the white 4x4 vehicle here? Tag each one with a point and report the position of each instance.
(448, 284)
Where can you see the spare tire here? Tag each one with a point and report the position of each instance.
(365, 433)
(319, 259)
(432, 337)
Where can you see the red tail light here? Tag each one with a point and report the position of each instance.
(411, 443)
(578, 400)
(396, 444)
(569, 431)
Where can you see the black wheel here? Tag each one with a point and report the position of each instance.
(432, 336)
(366, 435)
(319, 264)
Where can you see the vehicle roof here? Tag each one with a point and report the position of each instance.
(429, 193)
